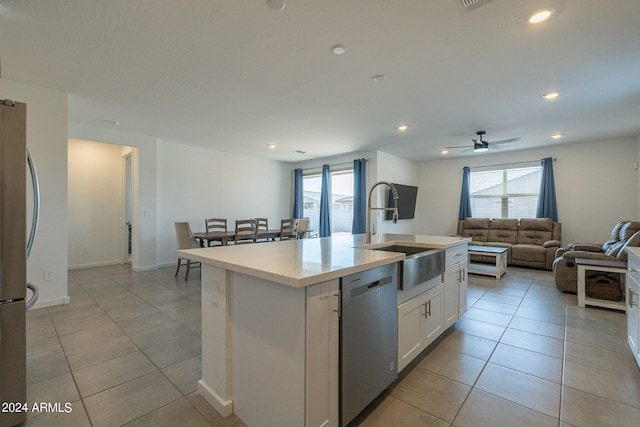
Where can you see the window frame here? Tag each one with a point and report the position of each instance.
(507, 199)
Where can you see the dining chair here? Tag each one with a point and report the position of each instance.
(262, 225)
(185, 240)
(246, 231)
(213, 225)
(288, 229)
(302, 228)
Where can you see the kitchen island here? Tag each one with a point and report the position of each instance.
(270, 329)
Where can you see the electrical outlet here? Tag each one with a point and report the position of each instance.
(49, 274)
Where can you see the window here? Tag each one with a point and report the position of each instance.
(341, 200)
(505, 192)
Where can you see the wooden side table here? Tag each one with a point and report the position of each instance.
(604, 266)
(500, 255)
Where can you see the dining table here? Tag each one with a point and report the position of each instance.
(225, 237)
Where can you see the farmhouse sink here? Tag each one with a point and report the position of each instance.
(421, 264)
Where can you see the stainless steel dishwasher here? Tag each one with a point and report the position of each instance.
(368, 338)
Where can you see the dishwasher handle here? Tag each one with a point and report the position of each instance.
(364, 288)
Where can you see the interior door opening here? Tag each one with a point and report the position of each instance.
(127, 181)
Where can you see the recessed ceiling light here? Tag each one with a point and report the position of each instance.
(540, 16)
(271, 146)
(277, 5)
(378, 77)
(444, 151)
(557, 135)
(402, 128)
(551, 95)
(338, 49)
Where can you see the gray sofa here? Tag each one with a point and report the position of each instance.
(624, 233)
(530, 242)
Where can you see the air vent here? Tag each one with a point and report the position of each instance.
(467, 5)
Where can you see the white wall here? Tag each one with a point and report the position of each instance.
(341, 160)
(196, 183)
(400, 171)
(47, 141)
(381, 166)
(144, 246)
(596, 186)
(96, 204)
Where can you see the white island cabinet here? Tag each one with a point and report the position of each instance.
(426, 311)
(270, 329)
(632, 300)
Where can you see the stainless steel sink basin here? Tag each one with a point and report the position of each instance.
(420, 265)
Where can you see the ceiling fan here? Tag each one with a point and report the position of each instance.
(481, 146)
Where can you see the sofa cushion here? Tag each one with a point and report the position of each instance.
(529, 253)
(476, 228)
(535, 231)
(503, 230)
(626, 232)
(503, 224)
(634, 240)
(539, 224)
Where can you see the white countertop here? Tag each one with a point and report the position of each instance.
(305, 262)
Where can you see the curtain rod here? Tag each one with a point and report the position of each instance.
(509, 164)
(335, 165)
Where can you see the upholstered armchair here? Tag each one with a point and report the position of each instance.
(624, 233)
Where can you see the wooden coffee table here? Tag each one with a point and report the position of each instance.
(497, 270)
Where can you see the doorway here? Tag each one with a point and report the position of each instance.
(101, 201)
(127, 203)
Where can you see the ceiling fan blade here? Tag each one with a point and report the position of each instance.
(459, 146)
(468, 149)
(505, 141)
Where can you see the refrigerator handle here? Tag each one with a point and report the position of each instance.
(34, 297)
(36, 202)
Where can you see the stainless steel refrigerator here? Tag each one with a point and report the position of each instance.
(13, 262)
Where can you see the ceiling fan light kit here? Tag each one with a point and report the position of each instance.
(482, 146)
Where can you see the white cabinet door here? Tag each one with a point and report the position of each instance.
(420, 322)
(455, 285)
(451, 294)
(633, 316)
(434, 314)
(411, 325)
(462, 288)
(322, 357)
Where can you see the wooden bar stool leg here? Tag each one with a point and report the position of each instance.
(186, 276)
(177, 268)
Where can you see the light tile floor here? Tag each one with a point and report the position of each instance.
(127, 351)
(524, 354)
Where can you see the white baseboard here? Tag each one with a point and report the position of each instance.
(138, 269)
(94, 264)
(168, 264)
(224, 407)
(51, 302)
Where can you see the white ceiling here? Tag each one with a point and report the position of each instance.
(235, 75)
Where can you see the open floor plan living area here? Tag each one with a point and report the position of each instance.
(127, 352)
(288, 213)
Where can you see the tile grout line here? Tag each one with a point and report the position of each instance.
(82, 399)
(473, 387)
